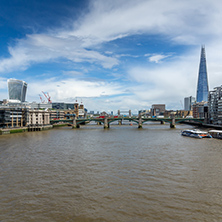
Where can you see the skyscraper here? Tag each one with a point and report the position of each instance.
(188, 102)
(17, 89)
(202, 85)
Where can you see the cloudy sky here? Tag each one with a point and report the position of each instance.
(110, 54)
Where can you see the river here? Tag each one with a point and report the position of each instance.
(119, 174)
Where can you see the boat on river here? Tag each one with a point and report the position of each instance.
(196, 133)
(216, 134)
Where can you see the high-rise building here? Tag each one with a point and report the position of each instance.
(202, 85)
(188, 102)
(215, 105)
(17, 90)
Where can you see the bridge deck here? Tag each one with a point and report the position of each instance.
(134, 119)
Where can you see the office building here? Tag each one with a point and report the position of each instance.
(17, 90)
(13, 117)
(63, 105)
(202, 85)
(215, 105)
(200, 110)
(35, 105)
(188, 102)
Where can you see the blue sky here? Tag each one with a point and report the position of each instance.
(113, 54)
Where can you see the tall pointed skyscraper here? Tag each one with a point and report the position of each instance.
(202, 85)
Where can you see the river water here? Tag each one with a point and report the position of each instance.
(120, 174)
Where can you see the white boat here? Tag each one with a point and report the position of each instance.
(196, 134)
(216, 134)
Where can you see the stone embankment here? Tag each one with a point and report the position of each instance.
(24, 129)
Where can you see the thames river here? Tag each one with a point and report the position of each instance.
(120, 174)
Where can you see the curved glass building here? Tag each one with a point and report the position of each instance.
(202, 85)
(17, 89)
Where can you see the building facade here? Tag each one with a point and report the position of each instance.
(158, 109)
(215, 105)
(188, 102)
(17, 90)
(35, 105)
(202, 85)
(38, 118)
(13, 117)
(63, 105)
(200, 110)
(56, 114)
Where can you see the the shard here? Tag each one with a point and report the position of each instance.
(202, 85)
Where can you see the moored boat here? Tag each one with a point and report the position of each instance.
(216, 134)
(196, 133)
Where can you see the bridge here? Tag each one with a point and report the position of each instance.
(75, 123)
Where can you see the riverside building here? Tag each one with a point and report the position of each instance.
(13, 117)
(215, 105)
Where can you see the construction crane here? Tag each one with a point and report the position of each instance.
(181, 104)
(42, 101)
(47, 97)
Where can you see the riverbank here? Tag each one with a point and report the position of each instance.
(205, 125)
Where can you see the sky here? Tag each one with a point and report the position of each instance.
(110, 54)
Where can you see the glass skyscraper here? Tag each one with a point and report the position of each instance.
(17, 89)
(202, 85)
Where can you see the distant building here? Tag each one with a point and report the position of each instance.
(35, 105)
(158, 109)
(17, 90)
(202, 85)
(63, 105)
(70, 109)
(146, 113)
(56, 114)
(81, 110)
(183, 113)
(215, 105)
(188, 102)
(200, 110)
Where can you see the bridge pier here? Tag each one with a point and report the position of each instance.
(173, 124)
(120, 122)
(162, 122)
(106, 124)
(140, 124)
(74, 124)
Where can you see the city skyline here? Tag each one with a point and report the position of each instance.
(110, 54)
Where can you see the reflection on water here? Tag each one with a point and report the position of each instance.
(120, 174)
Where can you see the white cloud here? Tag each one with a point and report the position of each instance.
(72, 73)
(68, 89)
(184, 21)
(157, 58)
(43, 48)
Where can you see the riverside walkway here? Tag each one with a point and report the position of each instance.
(75, 123)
